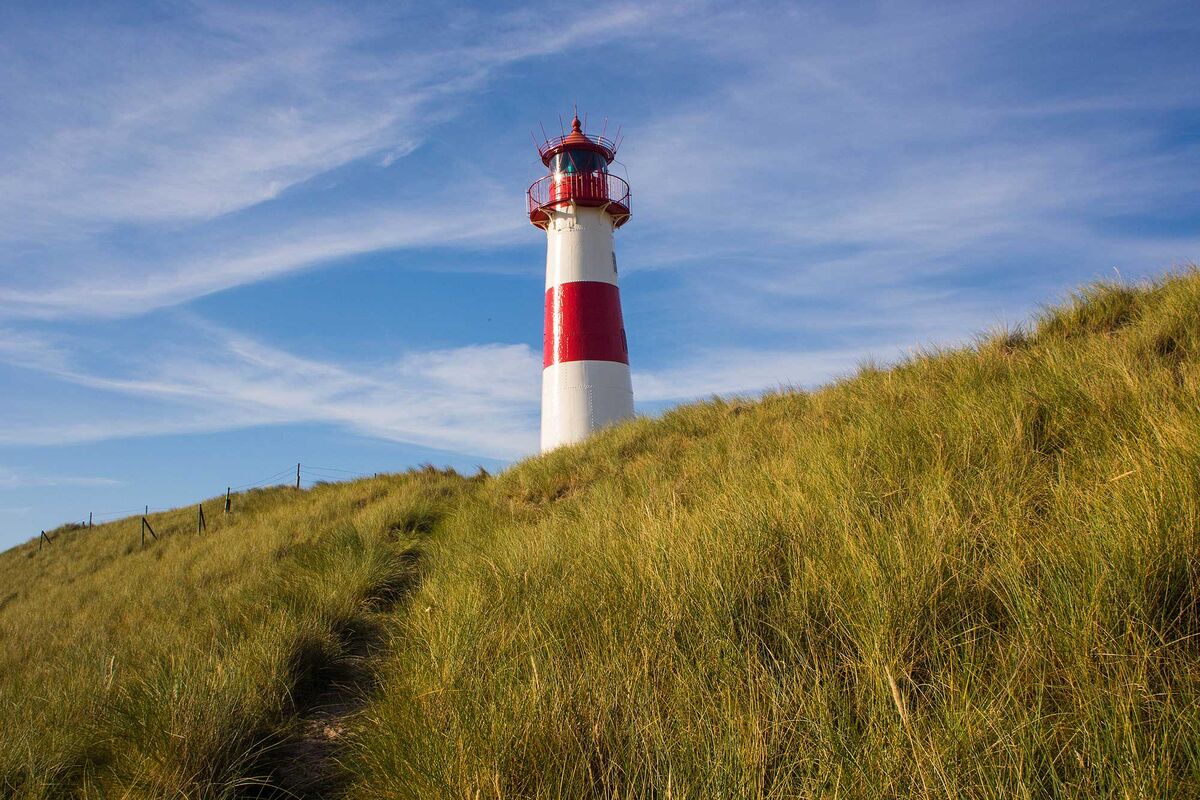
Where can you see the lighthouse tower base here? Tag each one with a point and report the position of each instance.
(580, 397)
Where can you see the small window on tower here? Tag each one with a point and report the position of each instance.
(614, 263)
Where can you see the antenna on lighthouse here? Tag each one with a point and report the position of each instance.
(585, 376)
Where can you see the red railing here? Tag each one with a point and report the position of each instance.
(585, 189)
(559, 142)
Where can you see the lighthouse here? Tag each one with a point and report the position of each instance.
(585, 355)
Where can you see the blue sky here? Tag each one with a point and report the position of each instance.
(235, 237)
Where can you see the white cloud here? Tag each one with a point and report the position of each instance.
(874, 132)
(833, 133)
(16, 478)
(233, 106)
(169, 131)
(479, 399)
(889, 178)
(25, 349)
(730, 371)
(126, 289)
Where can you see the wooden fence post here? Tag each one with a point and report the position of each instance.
(200, 525)
(89, 519)
(227, 499)
(146, 527)
(297, 476)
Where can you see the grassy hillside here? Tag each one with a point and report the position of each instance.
(172, 670)
(974, 574)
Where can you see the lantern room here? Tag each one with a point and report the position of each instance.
(578, 164)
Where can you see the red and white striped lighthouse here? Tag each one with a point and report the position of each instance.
(585, 375)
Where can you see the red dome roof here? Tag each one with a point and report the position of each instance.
(577, 140)
(576, 136)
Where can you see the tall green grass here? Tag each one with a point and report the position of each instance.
(169, 670)
(975, 574)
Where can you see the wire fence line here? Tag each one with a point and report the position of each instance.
(292, 476)
(343, 471)
(278, 477)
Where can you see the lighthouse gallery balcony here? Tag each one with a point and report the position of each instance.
(595, 189)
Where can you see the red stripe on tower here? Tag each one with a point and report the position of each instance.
(583, 323)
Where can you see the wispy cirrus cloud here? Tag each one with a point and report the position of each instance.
(860, 145)
(743, 372)
(170, 133)
(141, 285)
(235, 105)
(857, 156)
(19, 478)
(478, 399)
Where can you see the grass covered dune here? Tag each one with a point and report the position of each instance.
(975, 574)
(175, 669)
